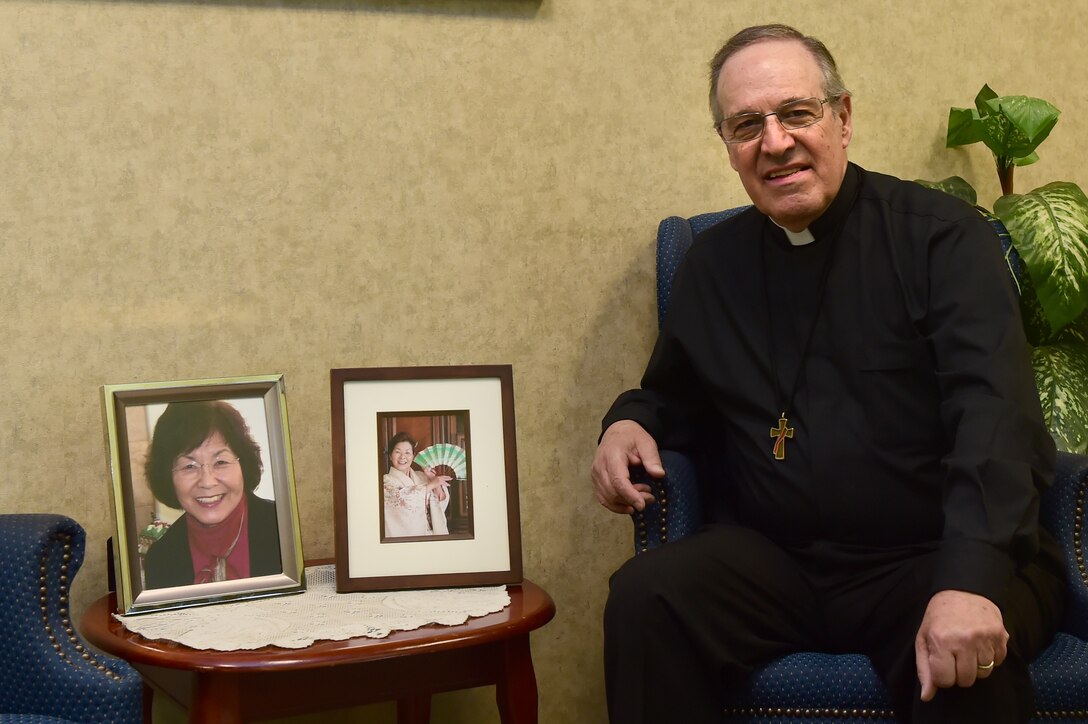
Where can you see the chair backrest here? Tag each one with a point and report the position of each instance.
(1062, 513)
(32, 550)
(35, 551)
(47, 672)
(674, 237)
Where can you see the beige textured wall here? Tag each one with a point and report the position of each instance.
(214, 188)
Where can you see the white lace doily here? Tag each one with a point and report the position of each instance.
(295, 622)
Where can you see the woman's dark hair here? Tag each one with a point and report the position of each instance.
(398, 439)
(183, 427)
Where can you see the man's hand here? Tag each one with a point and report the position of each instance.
(962, 638)
(625, 443)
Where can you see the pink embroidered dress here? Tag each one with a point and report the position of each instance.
(411, 509)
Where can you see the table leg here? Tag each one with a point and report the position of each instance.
(216, 700)
(516, 691)
(148, 700)
(414, 710)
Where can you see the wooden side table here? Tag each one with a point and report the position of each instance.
(408, 666)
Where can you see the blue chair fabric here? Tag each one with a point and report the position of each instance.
(815, 688)
(48, 674)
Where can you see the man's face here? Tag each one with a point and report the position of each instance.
(792, 176)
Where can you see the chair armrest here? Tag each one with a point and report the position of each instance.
(677, 510)
(1062, 513)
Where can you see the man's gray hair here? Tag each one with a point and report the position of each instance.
(833, 86)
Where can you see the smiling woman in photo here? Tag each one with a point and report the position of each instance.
(204, 461)
(415, 501)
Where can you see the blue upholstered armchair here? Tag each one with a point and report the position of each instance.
(837, 689)
(48, 675)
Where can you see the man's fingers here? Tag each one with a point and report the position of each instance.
(624, 443)
(942, 670)
(1001, 650)
(966, 670)
(619, 507)
(646, 454)
(625, 496)
(614, 489)
(987, 664)
(921, 662)
(937, 668)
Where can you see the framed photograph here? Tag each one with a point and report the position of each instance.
(203, 492)
(425, 480)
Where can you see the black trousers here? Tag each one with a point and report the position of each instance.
(685, 621)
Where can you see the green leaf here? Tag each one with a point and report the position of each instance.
(1016, 125)
(986, 94)
(1049, 227)
(955, 186)
(1061, 374)
(964, 127)
(1075, 332)
(1026, 160)
(1012, 127)
(1036, 327)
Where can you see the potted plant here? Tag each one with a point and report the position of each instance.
(1048, 229)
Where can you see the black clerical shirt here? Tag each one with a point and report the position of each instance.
(916, 420)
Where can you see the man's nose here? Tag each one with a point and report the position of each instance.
(776, 139)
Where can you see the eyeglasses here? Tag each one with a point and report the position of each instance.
(793, 116)
(190, 472)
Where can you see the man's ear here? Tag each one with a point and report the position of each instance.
(846, 118)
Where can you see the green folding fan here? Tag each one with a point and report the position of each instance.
(444, 453)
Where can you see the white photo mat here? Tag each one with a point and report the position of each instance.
(489, 550)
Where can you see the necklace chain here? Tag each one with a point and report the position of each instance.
(220, 571)
(782, 430)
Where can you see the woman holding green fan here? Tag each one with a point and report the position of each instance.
(415, 501)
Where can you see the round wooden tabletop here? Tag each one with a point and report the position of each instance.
(530, 608)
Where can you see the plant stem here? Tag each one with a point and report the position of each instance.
(1005, 168)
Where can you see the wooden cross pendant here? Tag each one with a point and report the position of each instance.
(781, 433)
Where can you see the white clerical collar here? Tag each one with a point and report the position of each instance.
(797, 238)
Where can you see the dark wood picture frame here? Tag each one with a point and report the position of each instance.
(130, 413)
(365, 399)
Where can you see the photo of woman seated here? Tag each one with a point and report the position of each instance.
(203, 460)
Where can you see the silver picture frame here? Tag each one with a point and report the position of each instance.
(273, 546)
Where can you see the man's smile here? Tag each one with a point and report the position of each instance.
(785, 173)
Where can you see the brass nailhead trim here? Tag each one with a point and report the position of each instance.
(66, 622)
(1078, 523)
(643, 536)
(864, 713)
(1062, 714)
(812, 713)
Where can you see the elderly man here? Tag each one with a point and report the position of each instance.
(869, 322)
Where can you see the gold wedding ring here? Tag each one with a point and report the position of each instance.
(986, 667)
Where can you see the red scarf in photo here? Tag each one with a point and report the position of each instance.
(220, 553)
